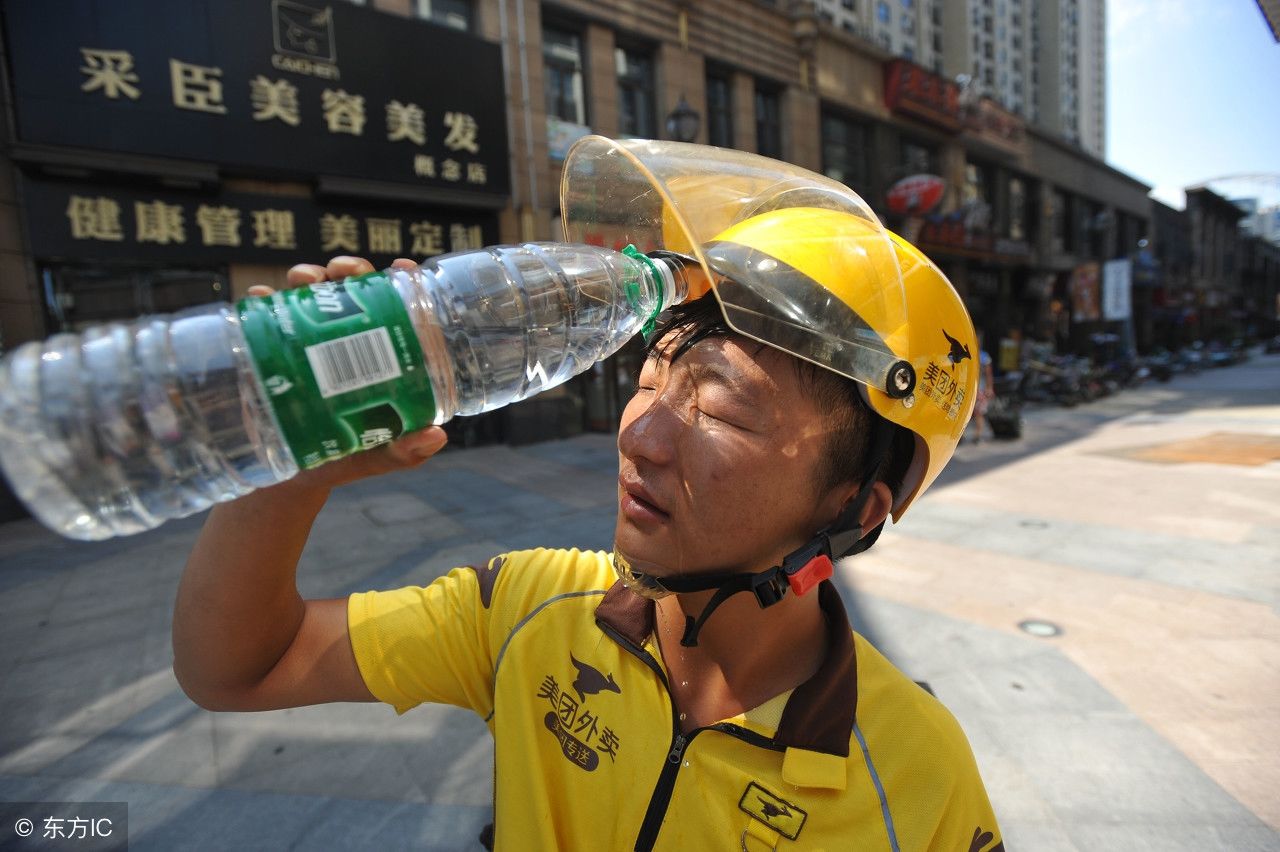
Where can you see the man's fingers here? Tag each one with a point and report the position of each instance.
(403, 263)
(260, 290)
(404, 453)
(344, 265)
(336, 269)
(305, 273)
(416, 446)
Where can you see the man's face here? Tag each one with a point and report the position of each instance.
(719, 456)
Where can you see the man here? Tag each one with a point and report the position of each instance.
(700, 687)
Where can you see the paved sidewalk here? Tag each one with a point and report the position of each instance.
(1151, 722)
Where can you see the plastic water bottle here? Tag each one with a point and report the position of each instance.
(118, 429)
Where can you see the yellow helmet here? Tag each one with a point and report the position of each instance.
(799, 262)
(813, 261)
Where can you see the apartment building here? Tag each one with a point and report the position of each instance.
(1044, 60)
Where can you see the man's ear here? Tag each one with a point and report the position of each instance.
(877, 508)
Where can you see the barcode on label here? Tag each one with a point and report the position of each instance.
(351, 363)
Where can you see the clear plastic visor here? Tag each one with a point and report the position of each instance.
(796, 260)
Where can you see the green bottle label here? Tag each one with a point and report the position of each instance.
(341, 366)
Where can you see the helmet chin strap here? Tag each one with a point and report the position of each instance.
(801, 570)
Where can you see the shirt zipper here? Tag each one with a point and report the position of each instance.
(660, 800)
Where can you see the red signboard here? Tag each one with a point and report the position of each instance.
(995, 125)
(912, 90)
(915, 195)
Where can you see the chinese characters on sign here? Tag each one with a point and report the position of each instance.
(101, 222)
(99, 218)
(110, 74)
(255, 86)
(109, 71)
(913, 90)
(920, 93)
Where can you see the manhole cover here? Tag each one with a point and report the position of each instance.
(1043, 629)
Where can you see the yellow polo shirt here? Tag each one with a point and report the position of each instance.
(561, 662)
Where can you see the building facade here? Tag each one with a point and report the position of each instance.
(1215, 269)
(291, 130)
(1175, 306)
(1259, 287)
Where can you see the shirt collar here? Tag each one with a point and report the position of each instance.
(821, 711)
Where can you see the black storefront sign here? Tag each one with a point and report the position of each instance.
(100, 222)
(276, 86)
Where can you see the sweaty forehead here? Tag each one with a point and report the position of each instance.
(730, 359)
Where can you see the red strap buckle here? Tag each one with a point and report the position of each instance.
(816, 570)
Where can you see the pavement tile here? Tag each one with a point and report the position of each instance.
(432, 754)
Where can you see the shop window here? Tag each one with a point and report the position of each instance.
(562, 57)
(1063, 238)
(719, 110)
(1017, 209)
(978, 195)
(918, 158)
(636, 102)
(768, 123)
(84, 295)
(456, 14)
(845, 152)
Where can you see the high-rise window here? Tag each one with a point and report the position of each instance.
(636, 112)
(768, 123)
(450, 13)
(562, 56)
(719, 110)
(845, 152)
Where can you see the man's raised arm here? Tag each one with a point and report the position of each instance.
(243, 638)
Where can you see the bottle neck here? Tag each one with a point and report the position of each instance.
(675, 289)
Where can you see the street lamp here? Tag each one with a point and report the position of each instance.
(683, 122)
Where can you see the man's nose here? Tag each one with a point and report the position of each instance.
(649, 430)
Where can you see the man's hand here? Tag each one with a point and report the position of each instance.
(406, 452)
